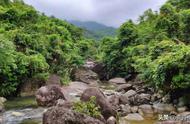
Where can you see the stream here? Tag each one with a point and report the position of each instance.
(25, 111)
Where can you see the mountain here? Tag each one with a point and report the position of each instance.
(95, 30)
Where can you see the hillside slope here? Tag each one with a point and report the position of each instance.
(33, 45)
(95, 30)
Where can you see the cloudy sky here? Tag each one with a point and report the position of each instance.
(109, 12)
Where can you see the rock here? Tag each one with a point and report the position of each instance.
(1, 120)
(123, 100)
(156, 97)
(130, 93)
(117, 80)
(161, 108)
(134, 109)
(130, 77)
(89, 64)
(86, 75)
(114, 100)
(48, 95)
(184, 114)
(125, 109)
(111, 120)
(124, 87)
(134, 117)
(107, 109)
(166, 99)
(17, 114)
(142, 99)
(53, 79)
(74, 90)
(100, 69)
(60, 115)
(146, 110)
(181, 109)
(181, 102)
(64, 103)
(29, 87)
(2, 101)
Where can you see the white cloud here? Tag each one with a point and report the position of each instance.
(109, 12)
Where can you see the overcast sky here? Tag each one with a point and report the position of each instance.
(109, 12)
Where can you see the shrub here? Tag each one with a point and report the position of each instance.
(89, 108)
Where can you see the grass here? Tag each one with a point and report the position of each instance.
(20, 102)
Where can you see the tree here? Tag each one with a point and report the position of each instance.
(128, 33)
(169, 21)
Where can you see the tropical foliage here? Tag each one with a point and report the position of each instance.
(157, 47)
(33, 45)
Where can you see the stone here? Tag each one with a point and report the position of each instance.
(3, 100)
(161, 108)
(17, 114)
(134, 117)
(30, 86)
(181, 102)
(125, 109)
(181, 109)
(53, 79)
(86, 75)
(89, 64)
(107, 109)
(100, 69)
(142, 99)
(111, 120)
(48, 95)
(134, 109)
(184, 114)
(124, 87)
(74, 90)
(117, 80)
(166, 99)
(60, 115)
(65, 104)
(114, 100)
(130, 93)
(146, 110)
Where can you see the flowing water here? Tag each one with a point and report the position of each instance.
(25, 111)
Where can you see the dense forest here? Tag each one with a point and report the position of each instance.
(33, 45)
(156, 48)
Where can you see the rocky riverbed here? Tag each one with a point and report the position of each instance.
(132, 101)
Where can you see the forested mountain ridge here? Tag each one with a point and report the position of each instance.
(95, 30)
(33, 45)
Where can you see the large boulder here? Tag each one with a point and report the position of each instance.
(161, 108)
(100, 69)
(134, 117)
(101, 100)
(85, 75)
(61, 115)
(74, 90)
(142, 99)
(49, 95)
(30, 86)
(54, 79)
(117, 80)
(124, 87)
